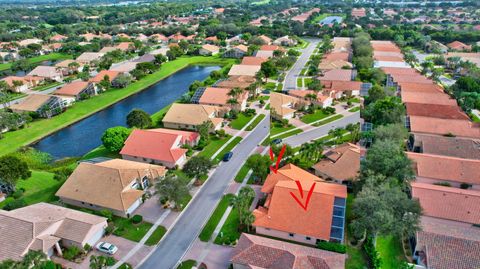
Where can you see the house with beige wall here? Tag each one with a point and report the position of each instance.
(191, 116)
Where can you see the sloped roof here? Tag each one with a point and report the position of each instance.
(191, 114)
(219, 96)
(251, 60)
(289, 172)
(244, 70)
(110, 73)
(45, 71)
(261, 252)
(436, 111)
(281, 103)
(32, 102)
(427, 98)
(342, 162)
(105, 184)
(449, 146)
(211, 48)
(462, 128)
(337, 74)
(72, 89)
(241, 82)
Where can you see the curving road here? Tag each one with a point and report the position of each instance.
(182, 235)
(294, 72)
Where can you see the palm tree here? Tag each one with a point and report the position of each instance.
(235, 92)
(248, 219)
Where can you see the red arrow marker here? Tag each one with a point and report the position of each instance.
(310, 192)
(272, 157)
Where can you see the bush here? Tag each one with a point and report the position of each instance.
(137, 219)
(18, 193)
(61, 174)
(372, 254)
(109, 229)
(110, 261)
(71, 253)
(15, 204)
(335, 247)
(107, 214)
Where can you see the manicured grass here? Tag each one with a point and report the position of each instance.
(212, 223)
(255, 122)
(47, 86)
(299, 82)
(156, 236)
(14, 96)
(288, 134)
(323, 122)
(100, 151)
(276, 128)
(229, 231)
(240, 121)
(214, 144)
(158, 116)
(304, 71)
(228, 148)
(185, 201)
(38, 59)
(263, 97)
(318, 115)
(355, 109)
(41, 128)
(279, 87)
(188, 264)
(307, 81)
(390, 251)
(267, 107)
(126, 229)
(40, 187)
(242, 173)
(356, 258)
(474, 117)
(270, 86)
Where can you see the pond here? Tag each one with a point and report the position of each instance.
(83, 136)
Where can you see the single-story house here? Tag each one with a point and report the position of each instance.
(159, 146)
(43, 105)
(75, 91)
(251, 60)
(107, 49)
(190, 116)
(241, 82)
(30, 41)
(236, 52)
(125, 67)
(116, 185)
(284, 106)
(111, 75)
(67, 67)
(244, 70)
(322, 100)
(219, 97)
(58, 38)
(459, 46)
(208, 49)
(285, 41)
(446, 146)
(341, 164)
(89, 57)
(46, 228)
(17, 84)
(47, 72)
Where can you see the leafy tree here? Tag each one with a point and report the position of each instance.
(33, 259)
(160, 58)
(392, 132)
(114, 138)
(260, 165)
(122, 80)
(197, 166)
(241, 203)
(139, 119)
(268, 69)
(12, 169)
(204, 130)
(172, 188)
(385, 111)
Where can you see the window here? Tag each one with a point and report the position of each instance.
(308, 238)
(291, 235)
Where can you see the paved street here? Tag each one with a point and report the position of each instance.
(297, 140)
(179, 239)
(291, 77)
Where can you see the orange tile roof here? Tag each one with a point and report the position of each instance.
(342, 163)
(337, 74)
(420, 87)
(344, 56)
(284, 214)
(288, 172)
(457, 45)
(261, 252)
(270, 47)
(99, 77)
(251, 60)
(428, 98)
(386, 58)
(154, 145)
(219, 96)
(341, 86)
(385, 47)
(446, 168)
(462, 128)
(436, 111)
(399, 71)
(411, 78)
(72, 89)
(448, 202)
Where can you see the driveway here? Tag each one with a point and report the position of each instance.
(291, 77)
(182, 235)
(218, 256)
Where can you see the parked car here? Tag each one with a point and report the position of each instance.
(227, 156)
(107, 248)
(277, 141)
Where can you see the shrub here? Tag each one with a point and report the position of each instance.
(110, 261)
(335, 247)
(109, 229)
(15, 204)
(107, 214)
(71, 253)
(87, 247)
(62, 173)
(137, 219)
(372, 254)
(18, 194)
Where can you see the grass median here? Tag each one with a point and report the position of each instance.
(217, 215)
(41, 128)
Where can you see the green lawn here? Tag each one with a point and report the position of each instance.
(157, 116)
(276, 128)
(212, 223)
(40, 187)
(304, 71)
(156, 236)
(390, 251)
(47, 86)
(240, 121)
(126, 229)
(255, 122)
(100, 151)
(334, 118)
(38, 59)
(288, 134)
(214, 144)
(242, 173)
(185, 201)
(299, 82)
(318, 115)
(41, 128)
(356, 258)
(229, 231)
(279, 87)
(228, 148)
(307, 81)
(355, 109)
(188, 264)
(474, 117)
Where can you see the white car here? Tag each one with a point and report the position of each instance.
(106, 248)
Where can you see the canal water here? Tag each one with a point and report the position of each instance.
(83, 136)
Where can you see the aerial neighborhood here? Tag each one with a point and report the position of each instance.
(240, 134)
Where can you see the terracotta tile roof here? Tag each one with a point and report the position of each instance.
(250, 60)
(462, 128)
(436, 111)
(211, 38)
(164, 147)
(359, 12)
(41, 225)
(242, 48)
(45, 71)
(10, 79)
(88, 57)
(244, 70)
(344, 56)
(335, 64)
(289, 172)
(399, 71)
(271, 48)
(411, 78)
(106, 184)
(282, 104)
(241, 82)
(65, 63)
(341, 86)
(448, 244)
(284, 214)
(449, 146)
(219, 96)
(388, 58)
(420, 87)
(384, 46)
(261, 252)
(341, 163)
(186, 136)
(446, 168)
(124, 67)
(72, 89)
(101, 75)
(303, 93)
(457, 45)
(266, 39)
(337, 74)
(107, 49)
(32, 102)
(211, 48)
(191, 114)
(448, 202)
(58, 37)
(427, 98)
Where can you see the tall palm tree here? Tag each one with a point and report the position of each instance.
(248, 219)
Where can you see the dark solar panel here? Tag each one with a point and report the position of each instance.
(197, 95)
(340, 201)
(337, 221)
(336, 233)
